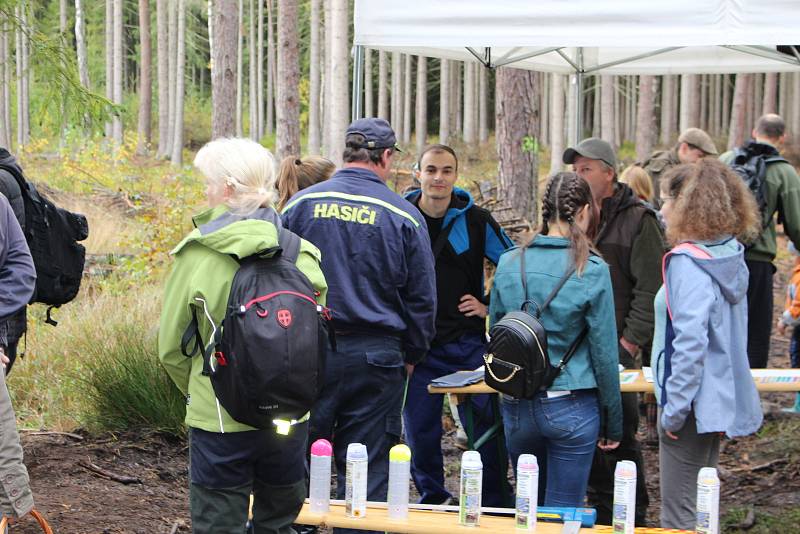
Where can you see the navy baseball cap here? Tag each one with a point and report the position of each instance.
(377, 133)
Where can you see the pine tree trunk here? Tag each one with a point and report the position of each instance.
(421, 119)
(407, 100)
(758, 98)
(223, 73)
(470, 132)
(383, 85)
(327, 77)
(686, 103)
(5, 139)
(340, 70)
(725, 112)
(397, 101)
(118, 59)
(288, 80)
(252, 74)
(770, 93)
(517, 119)
(597, 126)
(260, 69)
(239, 71)
(702, 121)
(80, 44)
(455, 103)
(544, 107)
(163, 76)
(109, 34)
(783, 94)
(557, 122)
(369, 98)
(750, 105)
(444, 101)
(483, 104)
(738, 128)
(646, 118)
(314, 133)
(7, 86)
(145, 84)
(713, 104)
(571, 106)
(607, 121)
(794, 120)
(271, 63)
(180, 63)
(618, 111)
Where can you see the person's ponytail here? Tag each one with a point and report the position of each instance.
(287, 180)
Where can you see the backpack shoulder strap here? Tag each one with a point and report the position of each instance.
(693, 250)
(14, 171)
(290, 244)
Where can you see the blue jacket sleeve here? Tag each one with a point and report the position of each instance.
(691, 298)
(17, 273)
(496, 240)
(418, 294)
(603, 351)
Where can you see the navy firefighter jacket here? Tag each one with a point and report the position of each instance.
(376, 256)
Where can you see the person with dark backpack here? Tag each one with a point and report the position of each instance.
(243, 336)
(776, 188)
(567, 286)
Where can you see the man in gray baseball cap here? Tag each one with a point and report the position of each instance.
(631, 242)
(692, 145)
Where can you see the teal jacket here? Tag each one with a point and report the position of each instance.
(585, 300)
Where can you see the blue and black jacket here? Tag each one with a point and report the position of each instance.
(474, 235)
(376, 256)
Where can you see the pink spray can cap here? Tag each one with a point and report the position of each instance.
(322, 447)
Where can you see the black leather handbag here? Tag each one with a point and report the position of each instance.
(517, 361)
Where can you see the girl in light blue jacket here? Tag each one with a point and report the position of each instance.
(703, 385)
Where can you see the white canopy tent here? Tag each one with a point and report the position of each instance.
(581, 37)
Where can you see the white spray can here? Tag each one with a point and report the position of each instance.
(707, 501)
(624, 497)
(319, 489)
(355, 492)
(399, 477)
(469, 513)
(527, 492)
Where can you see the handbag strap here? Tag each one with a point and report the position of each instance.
(571, 351)
(552, 294)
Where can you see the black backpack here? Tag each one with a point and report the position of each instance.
(517, 361)
(750, 162)
(267, 358)
(53, 236)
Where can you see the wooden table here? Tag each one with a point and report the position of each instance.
(434, 522)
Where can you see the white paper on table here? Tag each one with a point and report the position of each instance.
(648, 373)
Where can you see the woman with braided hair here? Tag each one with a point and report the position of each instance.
(582, 408)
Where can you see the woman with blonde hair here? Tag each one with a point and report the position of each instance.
(639, 180)
(703, 385)
(296, 174)
(230, 460)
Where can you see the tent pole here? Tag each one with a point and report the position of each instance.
(578, 133)
(358, 82)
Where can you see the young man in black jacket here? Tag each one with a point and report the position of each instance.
(462, 235)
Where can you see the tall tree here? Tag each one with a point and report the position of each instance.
(383, 84)
(172, 64)
(794, 119)
(770, 104)
(314, 133)
(421, 119)
(339, 105)
(470, 133)
(407, 99)
(738, 128)
(109, 34)
(239, 70)
(455, 100)
(177, 141)
(145, 84)
(271, 68)
(444, 101)
(5, 138)
(118, 59)
(62, 17)
(397, 94)
(557, 119)
(288, 79)
(685, 112)
(483, 104)
(80, 44)
(7, 85)
(163, 76)
(369, 108)
(223, 73)
(260, 69)
(517, 120)
(726, 103)
(607, 97)
(646, 118)
(667, 111)
(251, 79)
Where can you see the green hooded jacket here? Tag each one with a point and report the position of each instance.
(201, 280)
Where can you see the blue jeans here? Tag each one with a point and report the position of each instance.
(361, 403)
(562, 432)
(423, 421)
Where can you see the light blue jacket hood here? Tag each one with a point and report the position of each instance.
(710, 373)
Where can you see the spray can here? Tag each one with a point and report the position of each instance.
(355, 492)
(707, 501)
(527, 492)
(624, 497)
(319, 490)
(469, 513)
(399, 476)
